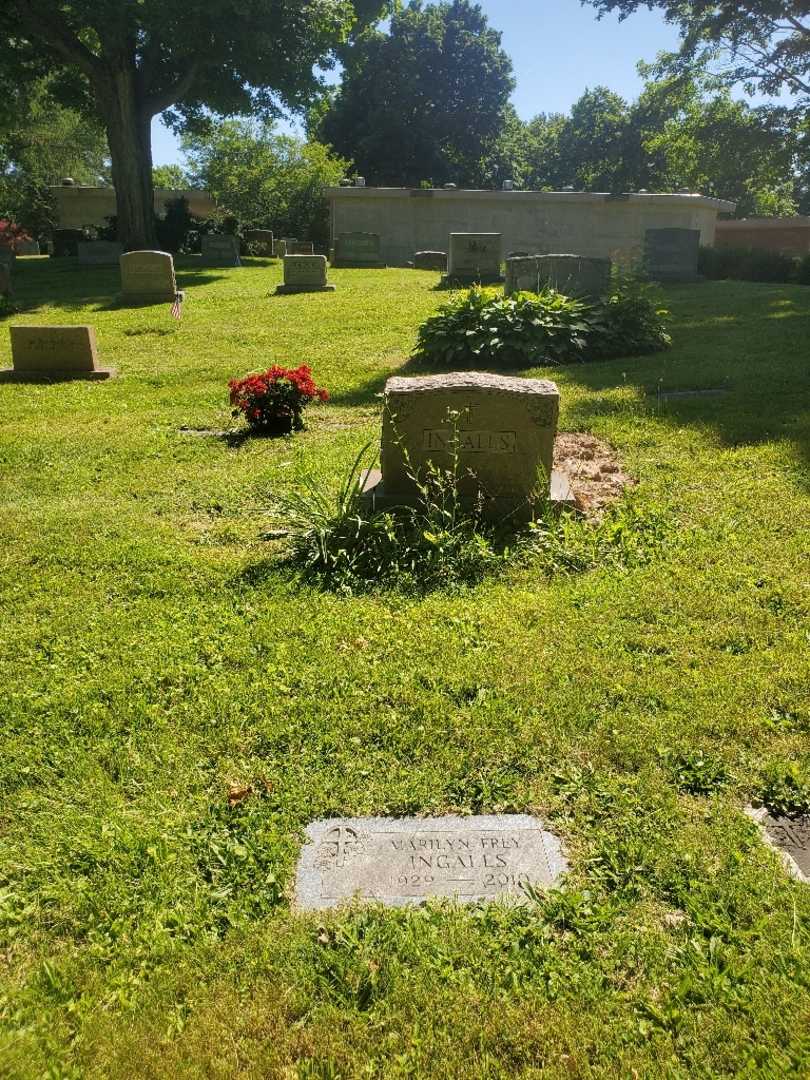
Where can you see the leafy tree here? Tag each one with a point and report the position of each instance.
(126, 62)
(40, 143)
(265, 179)
(172, 177)
(428, 100)
(762, 43)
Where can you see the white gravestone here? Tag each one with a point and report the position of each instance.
(147, 277)
(304, 273)
(403, 861)
(53, 353)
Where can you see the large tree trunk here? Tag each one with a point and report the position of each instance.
(129, 133)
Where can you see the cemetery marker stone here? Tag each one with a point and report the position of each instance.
(790, 836)
(220, 250)
(403, 861)
(671, 255)
(430, 260)
(475, 257)
(358, 249)
(575, 275)
(27, 247)
(147, 277)
(53, 353)
(501, 428)
(99, 253)
(304, 273)
(262, 238)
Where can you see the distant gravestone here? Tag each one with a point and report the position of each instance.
(53, 353)
(475, 257)
(300, 247)
(358, 249)
(574, 275)
(404, 861)
(147, 277)
(27, 247)
(304, 273)
(430, 260)
(502, 430)
(262, 239)
(99, 253)
(671, 255)
(220, 249)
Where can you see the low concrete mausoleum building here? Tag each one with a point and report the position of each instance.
(540, 222)
(79, 207)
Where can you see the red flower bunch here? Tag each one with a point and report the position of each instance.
(274, 400)
(10, 234)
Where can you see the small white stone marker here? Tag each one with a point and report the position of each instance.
(403, 861)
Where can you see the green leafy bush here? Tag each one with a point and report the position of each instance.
(483, 328)
(748, 264)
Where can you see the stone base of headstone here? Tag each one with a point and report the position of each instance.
(10, 375)
(282, 290)
(560, 497)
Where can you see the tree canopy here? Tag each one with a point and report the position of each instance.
(426, 100)
(764, 44)
(126, 62)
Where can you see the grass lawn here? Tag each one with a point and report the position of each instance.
(153, 651)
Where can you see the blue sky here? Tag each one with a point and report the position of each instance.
(558, 50)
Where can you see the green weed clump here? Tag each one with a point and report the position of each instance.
(786, 789)
(483, 328)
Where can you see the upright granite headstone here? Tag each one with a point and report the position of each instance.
(404, 861)
(501, 429)
(99, 253)
(304, 273)
(475, 257)
(262, 239)
(575, 275)
(220, 249)
(53, 353)
(522, 275)
(27, 247)
(281, 247)
(147, 277)
(671, 255)
(358, 249)
(300, 247)
(430, 260)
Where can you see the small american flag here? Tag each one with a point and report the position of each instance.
(177, 306)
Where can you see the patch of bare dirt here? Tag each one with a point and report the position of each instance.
(592, 468)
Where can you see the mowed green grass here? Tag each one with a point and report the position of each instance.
(153, 651)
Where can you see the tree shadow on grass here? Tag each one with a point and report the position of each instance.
(750, 339)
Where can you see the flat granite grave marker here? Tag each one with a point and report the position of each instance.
(99, 253)
(53, 354)
(147, 277)
(671, 255)
(358, 249)
(402, 861)
(474, 257)
(220, 249)
(304, 273)
(502, 429)
(790, 836)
